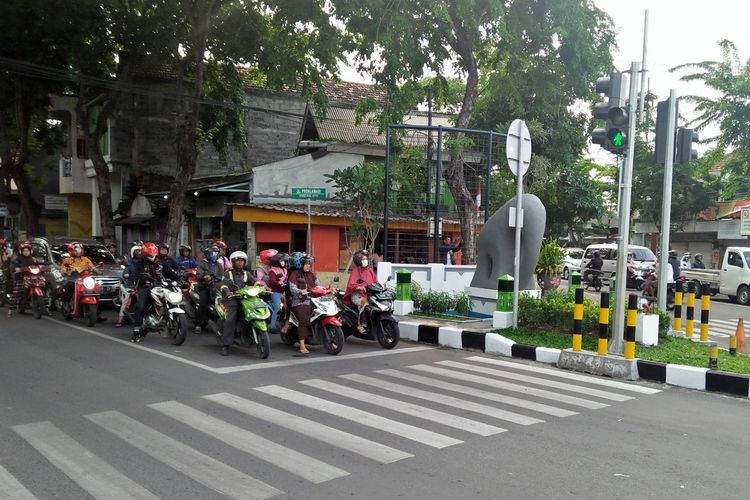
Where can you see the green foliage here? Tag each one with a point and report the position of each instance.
(551, 259)
(555, 311)
(434, 301)
(665, 321)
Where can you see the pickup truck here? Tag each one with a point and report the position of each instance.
(731, 279)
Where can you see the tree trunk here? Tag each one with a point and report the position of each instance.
(104, 187)
(29, 207)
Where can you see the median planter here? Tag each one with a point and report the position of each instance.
(647, 329)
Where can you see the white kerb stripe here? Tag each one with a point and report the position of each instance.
(88, 471)
(499, 384)
(194, 464)
(11, 488)
(566, 375)
(443, 399)
(479, 393)
(285, 458)
(538, 381)
(413, 410)
(312, 429)
(362, 417)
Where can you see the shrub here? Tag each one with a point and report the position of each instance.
(555, 310)
(435, 301)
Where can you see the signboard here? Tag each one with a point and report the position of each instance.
(55, 202)
(518, 147)
(745, 221)
(309, 193)
(3, 210)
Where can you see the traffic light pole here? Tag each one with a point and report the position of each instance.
(617, 345)
(666, 201)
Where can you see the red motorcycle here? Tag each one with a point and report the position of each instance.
(85, 300)
(187, 282)
(33, 295)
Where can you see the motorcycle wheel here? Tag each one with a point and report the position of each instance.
(287, 337)
(598, 287)
(37, 306)
(263, 346)
(90, 313)
(333, 340)
(181, 329)
(388, 334)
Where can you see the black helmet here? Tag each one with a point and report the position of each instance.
(277, 259)
(699, 257)
(185, 247)
(359, 256)
(596, 253)
(673, 253)
(164, 245)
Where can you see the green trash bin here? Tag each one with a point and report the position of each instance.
(505, 293)
(575, 280)
(403, 284)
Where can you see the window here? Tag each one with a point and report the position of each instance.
(734, 259)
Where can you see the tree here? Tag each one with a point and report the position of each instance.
(476, 38)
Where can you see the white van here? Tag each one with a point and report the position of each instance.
(643, 257)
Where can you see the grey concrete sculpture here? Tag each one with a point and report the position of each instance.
(496, 245)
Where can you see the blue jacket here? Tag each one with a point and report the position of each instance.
(188, 262)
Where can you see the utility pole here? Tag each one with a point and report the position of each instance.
(666, 201)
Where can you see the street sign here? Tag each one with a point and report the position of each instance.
(309, 193)
(55, 202)
(745, 221)
(3, 210)
(518, 147)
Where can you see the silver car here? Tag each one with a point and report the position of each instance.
(572, 261)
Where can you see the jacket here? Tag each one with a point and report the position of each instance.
(234, 280)
(188, 262)
(366, 274)
(208, 268)
(168, 267)
(146, 267)
(277, 278)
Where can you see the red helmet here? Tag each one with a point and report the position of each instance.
(150, 251)
(75, 249)
(24, 244)
(220, 244)
(2, 241)
(265, 256)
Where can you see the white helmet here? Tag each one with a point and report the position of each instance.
(135, 248)
(238, 255)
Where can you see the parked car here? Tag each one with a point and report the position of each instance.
(572, 262)
(109, 279)
(643, 257)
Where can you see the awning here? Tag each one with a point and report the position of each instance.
(132, 221)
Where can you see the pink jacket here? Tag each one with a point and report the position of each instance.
(366, 274)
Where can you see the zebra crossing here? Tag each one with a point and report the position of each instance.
(455, 403)
(719, 328)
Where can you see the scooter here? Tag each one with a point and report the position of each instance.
(33, 295)
(251, 329)
(650, 291)
(85, 300)
(594, 281)
(165, 312)
(324, 322)
(187, 284)
(380, 324)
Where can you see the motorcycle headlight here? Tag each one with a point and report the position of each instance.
(174, 297)
(383, 307)
(89, 283)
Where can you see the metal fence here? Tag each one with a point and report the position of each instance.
(420, 188)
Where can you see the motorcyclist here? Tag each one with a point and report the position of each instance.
(209, 270)
(277, 280)
(23, 259)
(361, 277)
(185, 260)
(675, 264)
(595, 264)
(128, 275)
(5, 266)
(685, 262)
(147, 271)
(234, 279)
(223, 260)
(261, 272)
(168, 264)
(698, 261)
(301, 281)
(74, 263)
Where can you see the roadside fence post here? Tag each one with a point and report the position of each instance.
(705, 306)
(601, 347)
(578, 320)
(690, 310)
(630, 329)
(713, 361)
(678, 309)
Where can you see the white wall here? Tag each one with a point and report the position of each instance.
(453, 279)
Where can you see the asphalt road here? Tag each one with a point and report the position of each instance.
(86, 414)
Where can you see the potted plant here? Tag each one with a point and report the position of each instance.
(549, 265)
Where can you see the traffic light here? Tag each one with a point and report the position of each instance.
(613, 110)
(660, 139)
(684, 152)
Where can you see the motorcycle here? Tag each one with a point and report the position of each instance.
(251, 328)
(635, 279)
(187, 285)
(594, 279)
(324, 322)
(165, 312)
(33, 292)
(650, 291)
(85, 300)
(380, 324)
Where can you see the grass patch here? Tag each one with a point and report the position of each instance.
(670, 349)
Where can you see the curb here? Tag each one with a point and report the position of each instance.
(690, 377)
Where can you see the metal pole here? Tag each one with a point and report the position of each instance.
(438, 174)
(642, 102)
(309, 228)
(487, 181)
(517, 255)
(617, 345)
(386, 190)
(666, 202)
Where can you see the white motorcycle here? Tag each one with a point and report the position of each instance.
(325, 322)
(165, 311)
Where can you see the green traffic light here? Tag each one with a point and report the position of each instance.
(616, 137)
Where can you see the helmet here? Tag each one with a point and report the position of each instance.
(134, 249)
(164, 245)
(299, 259)
(24, 244)
(212, 253)
(686, 255)
(75, 249)
(238, 255)
(277, 259)
(185, 247)
(150, 251)
(673, 253)
(596, 253)
(220, 244)
(265, 256)
(359, 256)
(2, 241)
(699, 257)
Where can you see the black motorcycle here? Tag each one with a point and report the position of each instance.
(379, 323)
(594, 279)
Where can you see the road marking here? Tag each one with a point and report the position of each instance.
(362, 417)
(443, 399)
(87, 470)
(285, 458)
(310, 428)
(11, 488)
(538, 381)
(473, 391)
(411, 409)
(194, 464)
(499, 384)
(240, 368)
(566, 375)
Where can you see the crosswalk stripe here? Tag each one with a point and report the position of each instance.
(11, 488)
(285, 458)
(446, 400)
(479, 393)
(567, 375)
(362, 417)
(411, 409)
(194, 464)
(310, 428)
(536, 380)
(499, 384)
(97, 477)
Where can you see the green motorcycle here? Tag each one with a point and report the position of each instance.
(251, 328)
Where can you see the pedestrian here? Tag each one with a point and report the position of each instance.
(446, 250)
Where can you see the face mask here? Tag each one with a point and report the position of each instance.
(365, 262)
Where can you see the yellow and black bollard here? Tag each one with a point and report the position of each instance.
(705, 306)
(578, 320)
(678, 308)
(733, 345)
(630, 328)
(601, 347)
(690, 310)
(713, 360)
